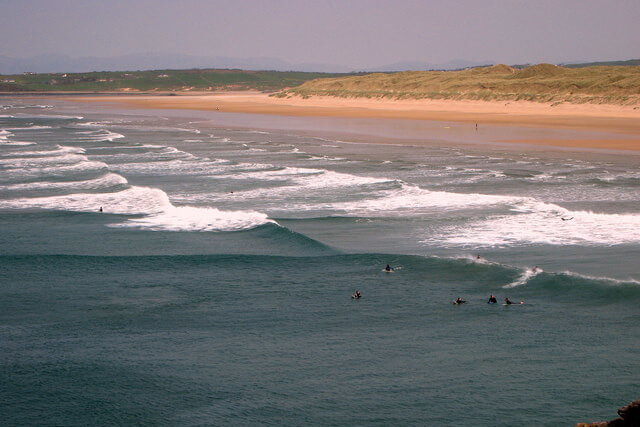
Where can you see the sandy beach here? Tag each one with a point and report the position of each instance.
(621, 123)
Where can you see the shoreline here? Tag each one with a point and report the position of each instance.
(618, 126)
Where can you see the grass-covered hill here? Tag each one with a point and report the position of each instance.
(159, 80)
(539, 83)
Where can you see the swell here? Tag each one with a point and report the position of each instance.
(483, 276)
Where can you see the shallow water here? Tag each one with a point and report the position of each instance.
(214, 288)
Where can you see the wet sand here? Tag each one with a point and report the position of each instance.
(616, 127)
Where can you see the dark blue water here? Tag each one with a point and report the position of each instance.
(214, 288)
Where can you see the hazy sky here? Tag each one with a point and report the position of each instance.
(354, 33)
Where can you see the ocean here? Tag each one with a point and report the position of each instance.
(196, 268)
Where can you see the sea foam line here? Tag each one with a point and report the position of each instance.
(524, 278)
(153, 203)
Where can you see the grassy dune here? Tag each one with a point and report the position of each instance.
(539, 83)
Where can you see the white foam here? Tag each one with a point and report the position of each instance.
(106, 181)
(36, 162)
(19, 143)
(325, 158)
(627, 281)
(524, 278)
(411, 199)
(6, 107)
(63, 170)
(164, 153)
(186, 218)
(93, 124)
(135, 200)
(283, 174)
(159, 213)
(304, 181)
(173, 167)
(60, 149)
(535, 222)
(51, 116)
(30, 128)
(102, 135)
(4, 135)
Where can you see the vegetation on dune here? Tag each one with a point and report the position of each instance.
(158, 80)
(539, 83)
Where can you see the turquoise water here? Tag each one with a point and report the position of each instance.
(214, 288)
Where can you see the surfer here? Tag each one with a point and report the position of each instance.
(492, 299)
(388, 268)
(566, 219)
(508, 301)
(100, 209)
(356, 295)
(459, 301)
(536, 269)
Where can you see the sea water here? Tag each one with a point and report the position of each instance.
(187, 268)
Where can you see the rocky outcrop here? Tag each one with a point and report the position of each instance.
(629, 417)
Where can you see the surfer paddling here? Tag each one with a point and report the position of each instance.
(388, 268)
(356, 295)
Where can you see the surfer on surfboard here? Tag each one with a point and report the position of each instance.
(492, 299)
(388, 268)
(459, 301)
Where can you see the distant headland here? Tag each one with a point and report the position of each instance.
(591, 83)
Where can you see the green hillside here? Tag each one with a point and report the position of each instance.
(539, 83)
(159, 80)
(629, 62)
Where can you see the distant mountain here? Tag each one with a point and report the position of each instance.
(57, 63)
(630, 62)
(455, 64)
